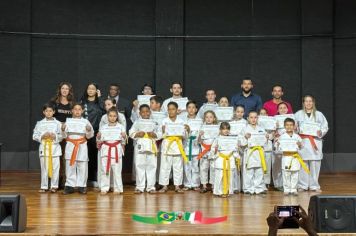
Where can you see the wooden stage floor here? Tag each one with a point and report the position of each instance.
(93, 213)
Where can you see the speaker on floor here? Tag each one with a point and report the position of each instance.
(333, 214)
(13, 213)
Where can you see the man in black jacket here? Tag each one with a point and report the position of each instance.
(123, 105)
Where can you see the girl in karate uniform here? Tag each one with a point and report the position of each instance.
(76, 154)
(312, 152)
(49, 150)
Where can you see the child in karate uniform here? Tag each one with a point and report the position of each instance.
(312, 152)
(111, 152)
(238, 119)
(192, 149)
(172, 151)
(291, 161)
(253, 162)
(50, 149)
(206, 166)
(145, 151)
(224, 163)
(76, 153)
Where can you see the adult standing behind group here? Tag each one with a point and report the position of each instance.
(271, 106)
(123, 105)
(63, 101)
(247, 99)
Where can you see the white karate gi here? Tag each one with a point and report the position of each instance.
(164, 108)
(44, 159)
(77, 174)
(206, 165)
(204, 108)
(311, 157)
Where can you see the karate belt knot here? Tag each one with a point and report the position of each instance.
(262, 156)
(153, 143)
(207, 148)
(49, 143)
(311, 140)
(226, 171)
(111, 145)
(178, 140)
(299, 158)
(76, 143)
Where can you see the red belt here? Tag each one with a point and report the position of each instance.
(311, 139)
(111, 145)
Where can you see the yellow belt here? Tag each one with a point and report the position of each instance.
(153, 143)
(262, 156)
(299, 158)
(178, 140)
(226, 171)
(48, 142)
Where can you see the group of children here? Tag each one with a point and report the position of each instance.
(190, 146)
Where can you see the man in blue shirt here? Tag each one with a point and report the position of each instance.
(251, 101)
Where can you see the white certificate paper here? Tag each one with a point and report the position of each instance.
(210, 107)
(146, 125)
(224, 113)
(227, 143)
(236, 127)
(182, 103)
(144, 99)
(195, 125)
(309, 128)
(280, 119)
(76, 125)
(158, 116)
(111, 133)
(288, 145)
(48, 126)
(267, 122)
(257, 140)
(210, 131)
(174, 129)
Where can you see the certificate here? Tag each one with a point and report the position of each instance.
(174, 129)
(144, 99)
(210, 131)
(209, 107)
(309, 128)
(194, 125)
(182, 103)
(236, 127)
(76, 125)
(48, 126)
(224, 113)
(288, 145)
(146, 125)
(158, 116)
(227, 143)
(267, 122)
(280, 119)
(257, 140)
(111, 133)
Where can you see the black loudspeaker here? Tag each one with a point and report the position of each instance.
(333, 214)
(13, 213)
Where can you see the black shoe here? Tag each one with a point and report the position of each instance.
(68, 190)
(82, 190)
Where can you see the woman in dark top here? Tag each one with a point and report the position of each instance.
(63, 109)
(93, 111)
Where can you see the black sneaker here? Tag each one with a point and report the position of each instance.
(82, 190)
(68, 190)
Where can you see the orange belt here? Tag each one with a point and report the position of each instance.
(311, 139)
(207, 148)
(76, 143)
(111, 145)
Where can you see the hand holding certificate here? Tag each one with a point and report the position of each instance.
(174, 129)
(210, 131)
(288, 145)
(74, 125)
(146, 125)
(227, 143)
(267, 122)
(309, 128)
(257, 140)
(224, 113)
(111, 133)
